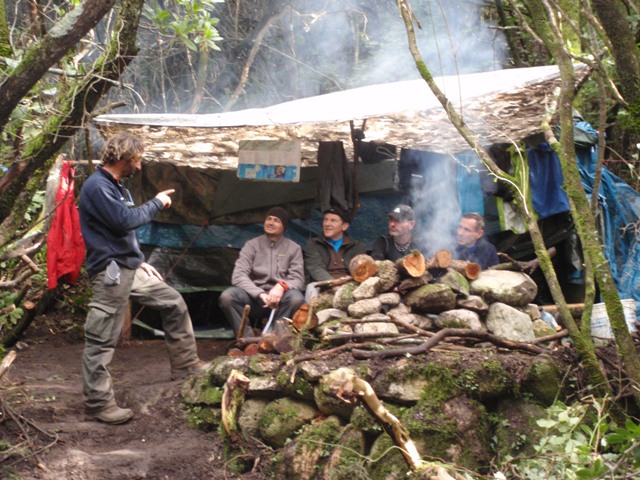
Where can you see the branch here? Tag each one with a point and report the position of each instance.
(440, 336)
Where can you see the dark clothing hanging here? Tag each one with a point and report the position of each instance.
(334, 177)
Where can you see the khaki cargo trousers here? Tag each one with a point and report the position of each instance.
(105, 321)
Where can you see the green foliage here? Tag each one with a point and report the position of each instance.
(191, 22)
(10, 318)
(581, 443)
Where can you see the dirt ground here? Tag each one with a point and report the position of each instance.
(43, 389)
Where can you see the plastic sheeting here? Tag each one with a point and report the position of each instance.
(620, 205)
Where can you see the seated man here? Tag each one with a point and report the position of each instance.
(328, 256)
(399, 242)
(472, 244)
(268, 275)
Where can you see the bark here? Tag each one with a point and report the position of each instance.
(74, 106)
(625, 53)
(470, 270)
(6, 51)
(60, 39)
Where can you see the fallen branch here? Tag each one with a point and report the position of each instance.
(7, 361)
(440, 336)
(326, 352)
(519, 266)
(551, 338)
(334, 282)
(344, 384)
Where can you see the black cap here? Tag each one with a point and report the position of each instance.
(338, 211)
(280, 213)
(402, 213)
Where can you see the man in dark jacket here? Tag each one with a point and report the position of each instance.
(472, 244)
(328, 256)
(268, 275)
(400, 241)
(116, 268)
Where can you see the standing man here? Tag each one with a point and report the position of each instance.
(116, 267)
(328, 256)
(268, 275)
(472, 244)
(399, 242)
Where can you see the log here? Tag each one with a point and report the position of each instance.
(267, 343)
(304, 318)
(412, 265)
(362, 267)
(251, 350)
(470, 270)
(441, 259)
(334, 282)
(245, 316)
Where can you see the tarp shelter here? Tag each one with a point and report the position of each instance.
(215, 211)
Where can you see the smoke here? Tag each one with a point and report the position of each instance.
(365, 43)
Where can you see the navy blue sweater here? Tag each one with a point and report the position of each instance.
(482, 253)
(108, 221)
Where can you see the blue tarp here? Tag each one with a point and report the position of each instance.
(620, 205)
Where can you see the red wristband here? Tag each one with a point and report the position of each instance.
(284, 285)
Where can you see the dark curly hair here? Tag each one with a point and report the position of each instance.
(122, 146)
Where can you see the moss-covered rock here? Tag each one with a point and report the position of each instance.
(344, 296)
(515, 429)
(485, 380)
(412, 380)
(203, 417)
(198, 390)
(298, 388)
(543, 380)
(347, 458)
(386, 461)
(431, 298)
(221, 368)
(457, 430)
(304, 457)
(328, 404)
(282, 417)
(250, 415)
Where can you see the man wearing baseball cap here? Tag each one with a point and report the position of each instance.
(269, 274)
(399, 242)
(328, 256)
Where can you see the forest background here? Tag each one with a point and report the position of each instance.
(63, 62)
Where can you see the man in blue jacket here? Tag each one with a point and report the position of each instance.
(472, 244)
(116, 268)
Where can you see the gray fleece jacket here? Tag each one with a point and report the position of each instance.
(263, 263)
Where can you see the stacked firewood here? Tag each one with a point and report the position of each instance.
(383, 302)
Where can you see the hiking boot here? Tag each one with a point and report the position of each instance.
(193, 369)
(113, 415)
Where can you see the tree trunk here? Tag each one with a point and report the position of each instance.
(623, 42)
(81, 99)
(584, 346)
(51, 48)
